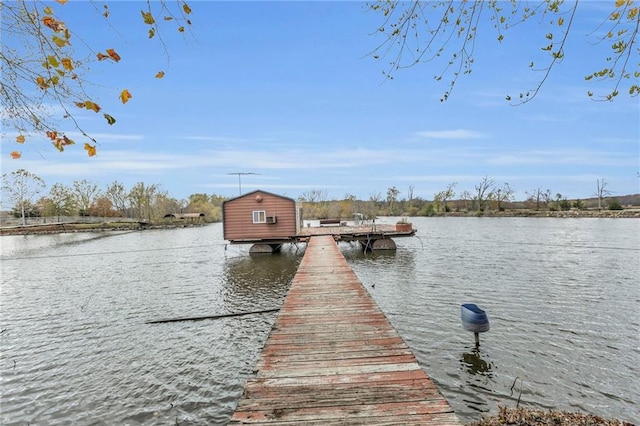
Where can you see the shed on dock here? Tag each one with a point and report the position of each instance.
(259, 216)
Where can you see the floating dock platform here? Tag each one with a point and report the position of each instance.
(371, 237)
(333, 358)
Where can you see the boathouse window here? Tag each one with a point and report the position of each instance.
(259, 216)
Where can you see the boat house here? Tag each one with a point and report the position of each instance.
(262, 218)
(269, 220)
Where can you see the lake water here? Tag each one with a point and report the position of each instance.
(562, 297)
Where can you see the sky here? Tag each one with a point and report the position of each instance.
(286, 97)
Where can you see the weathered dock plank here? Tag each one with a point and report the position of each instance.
(332, 357)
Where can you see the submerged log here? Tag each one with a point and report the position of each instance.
(236, 314)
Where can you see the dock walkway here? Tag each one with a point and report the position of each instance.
(333, 358)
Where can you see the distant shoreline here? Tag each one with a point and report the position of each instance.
(73, 227)
(614, 214)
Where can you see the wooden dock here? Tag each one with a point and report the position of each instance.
(371, 237)
(354, 232)
(333, 358)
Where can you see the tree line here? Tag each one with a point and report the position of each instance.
(144, 202)
(150, 203)
(487, 195)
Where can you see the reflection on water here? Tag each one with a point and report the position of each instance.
(258, 282)
(476, 371)
(76, 347)
(473, 363)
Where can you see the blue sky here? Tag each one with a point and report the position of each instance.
(287, 90)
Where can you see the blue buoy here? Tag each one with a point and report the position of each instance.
(474, 319)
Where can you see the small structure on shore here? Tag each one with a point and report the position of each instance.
(191, 217)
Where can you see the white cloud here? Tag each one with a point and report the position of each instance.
(450, 134)
(575, 157)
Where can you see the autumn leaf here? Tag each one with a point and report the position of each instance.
(41, 82)
(58, 144)
(58, 41)
(92, 106)
(186, 8)
(152, 33)
(20, 139)
(110, 119)
(62, 1)
(15, 155)
(88, 105)
(67, 64)
(91, 150)
(113, 55)
(56, 26)
(53, 61)
(125, 96)
(47, 10)
(48, 21)
(52, 135)
(148, 18)
(181, 29)
(160, 74)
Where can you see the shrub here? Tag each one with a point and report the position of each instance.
(565, 205)
(614, 204)
(428, 210)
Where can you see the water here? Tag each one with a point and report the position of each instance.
(561, 295)
(562, 298)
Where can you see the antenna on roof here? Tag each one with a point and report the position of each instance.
(240, 174)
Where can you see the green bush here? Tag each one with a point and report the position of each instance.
(428, 210)
(614, 204)
(565, 204)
